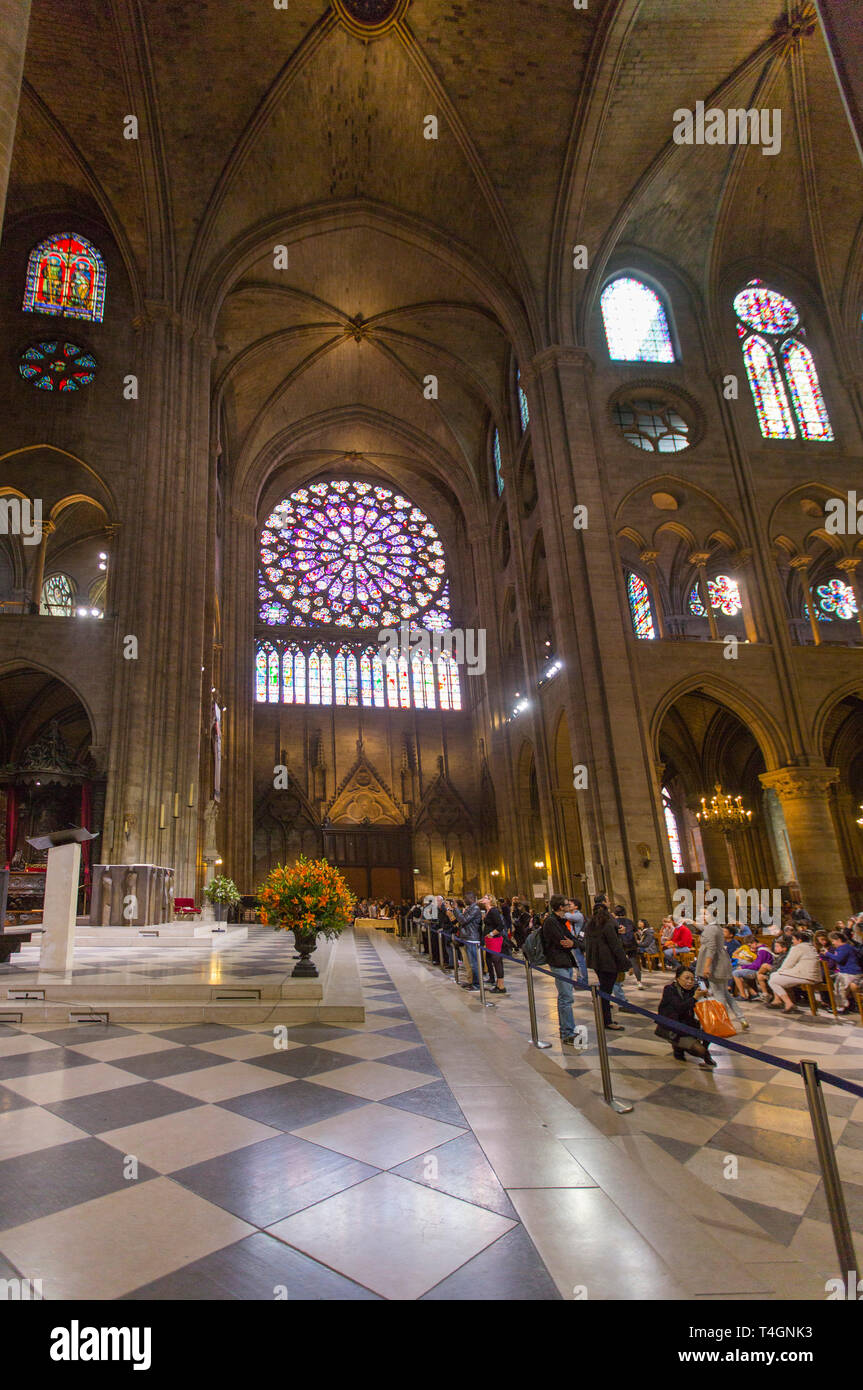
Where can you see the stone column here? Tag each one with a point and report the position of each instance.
(801, 564)
(743, 564)
(849, 565)
(165, 573)
(14, 23)
(649, 558)
(39, 567)
(700, 558)
(716, 856)
(803, 795)
(621, 806)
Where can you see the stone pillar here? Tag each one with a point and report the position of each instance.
(803, 796)
(700, 558)
(14, 23)
(716, 856)
(801, 564)
(743, 564)
(849, 565)
(621, 807)
(38, 577)
(164, 571)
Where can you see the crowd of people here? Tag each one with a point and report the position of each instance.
(378, 907)
(727, 963)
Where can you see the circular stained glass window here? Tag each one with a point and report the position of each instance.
(57, 366)
(368, 18)
(765, 310)
(653, 425)
(351, 554)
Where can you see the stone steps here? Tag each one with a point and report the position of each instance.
(159, 1012)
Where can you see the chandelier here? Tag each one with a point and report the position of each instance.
(860, 818)
(724, 810)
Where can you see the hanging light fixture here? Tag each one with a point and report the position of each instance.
(725, 811)
(860, 818)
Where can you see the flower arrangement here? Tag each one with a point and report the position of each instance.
(222, 890)
(309, 896)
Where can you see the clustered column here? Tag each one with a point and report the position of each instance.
(803, 796)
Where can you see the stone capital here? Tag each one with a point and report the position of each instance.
(849, 563)
(649, 557)
(800, 783)
(558, 355)
(800, 562)
(699, 557)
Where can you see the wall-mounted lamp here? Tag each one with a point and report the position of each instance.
(644, 855)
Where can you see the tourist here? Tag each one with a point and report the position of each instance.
(470, 936)
(520, 912)
(745, 972)
(679, 943)
(575, 918)
(802, 965)
(493, 927)
(843, 958)
(678, 1006)
(558, 945)
(605, 954)
(646, 938)
(629, 942)
(714, 968)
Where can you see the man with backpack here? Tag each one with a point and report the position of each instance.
(558, 946)
(575, 918)
(605, 954)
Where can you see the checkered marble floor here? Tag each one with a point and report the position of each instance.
(745, 1108)
(213, 1162)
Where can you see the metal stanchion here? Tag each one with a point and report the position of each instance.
(531, 1004)
(829, 1171)
(456, 960)
(486, 1003)
(619, 1106)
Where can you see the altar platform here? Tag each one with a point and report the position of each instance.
(191, 973)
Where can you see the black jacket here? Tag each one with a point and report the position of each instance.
(603, 951)
(627, 936)
(678, 1004)
(492, 919)
(555, 930)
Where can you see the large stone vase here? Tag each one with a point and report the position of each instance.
(306, 942)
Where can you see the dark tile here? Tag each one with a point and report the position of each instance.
(65, 1175)
(84, 1033)
(416, 1059)
(852, 1135)
(853, 1193)
(837, 1102)
(784, 1150)
(436, 1101)
(128, 1105)
(173, 1062)
(393, 1011)
(9, 1271)
(35, 1063)
(191, 1034)
(304, 1061)
(294, 1105)
(252, 1269)
(697, 1102)
(263, 1183)
(9, 1100)
(676, 1147)
(510, 1270)
(319, 1032)
(461, 1169)
(781, 1225)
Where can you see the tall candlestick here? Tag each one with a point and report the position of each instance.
(176, 804)
(191, 793)
(162, 816)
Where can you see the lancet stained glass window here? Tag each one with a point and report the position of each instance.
(636, 325)
(351, 554)
(66, 275)
(498, 463)
(639, 605)
(780, 366)
(58, 596)
(287, 675)
(523, 408)
(672, 832)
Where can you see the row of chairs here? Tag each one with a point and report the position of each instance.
(655, 960)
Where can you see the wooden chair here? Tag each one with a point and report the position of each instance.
(826, 988)
(859, 997)
(654, 956)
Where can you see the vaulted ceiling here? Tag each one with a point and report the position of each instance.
(262, 126)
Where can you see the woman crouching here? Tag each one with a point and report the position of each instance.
(678, 1003)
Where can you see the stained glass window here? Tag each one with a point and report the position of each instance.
(56, 366)
(724, 594)
(636, 325)
(351, 554)
(417, 681)
(58, 597)
(66, 275)
(835, 600)
(341, 679)
(673, 835)
(392, 683)
(652, 425)
(498, 464)
(639, 606)
(353, 690)
(523, 409)
(765, 319)
(353, 677)
(261, 675)
(378, 681)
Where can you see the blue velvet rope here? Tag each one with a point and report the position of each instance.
(674, 1026)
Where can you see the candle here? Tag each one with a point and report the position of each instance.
(176, 804)
(162, 816)
(191, 793)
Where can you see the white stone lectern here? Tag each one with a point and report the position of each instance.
(60, 907)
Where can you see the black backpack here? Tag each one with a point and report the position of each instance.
(534, 949)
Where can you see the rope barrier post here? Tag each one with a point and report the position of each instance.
(619, 1106)
(441, 951)
(486, 1003)
(456, 961)
(829, 1170)
(531, 1004)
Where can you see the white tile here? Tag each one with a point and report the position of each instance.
(379, 1134)
(29, 1129)
(67, 1083)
